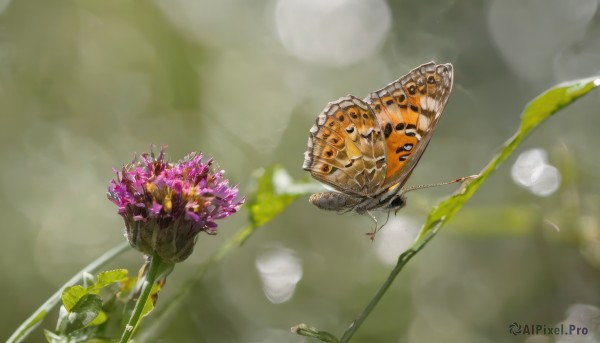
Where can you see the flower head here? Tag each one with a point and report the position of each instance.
(165, 205)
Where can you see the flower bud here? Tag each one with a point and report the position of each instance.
(166, 205)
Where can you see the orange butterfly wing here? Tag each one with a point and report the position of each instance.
(408, 111)
(346, 148)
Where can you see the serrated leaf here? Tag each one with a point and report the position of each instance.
(82, 314)
(111, 276)
(39, 315)
(126, 287)
(72, 295)
(275, 191)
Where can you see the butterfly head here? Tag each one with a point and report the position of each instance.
(396, 203)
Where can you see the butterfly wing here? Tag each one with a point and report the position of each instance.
(346, 148)
(408, 111)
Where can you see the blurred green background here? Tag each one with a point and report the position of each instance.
(86, 83)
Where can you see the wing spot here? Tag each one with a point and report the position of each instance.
(403, 157)
(377, 107)
(405, 147)
(353, 115)
(412, 89)
(414, 108)
(366, 116)
(431, 79)
(341, 118)
(389, 102)
(400, 127)
(349, 164)
(387, 131)
(402, 98)
(350, 129)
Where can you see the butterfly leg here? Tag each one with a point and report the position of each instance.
(376, 229)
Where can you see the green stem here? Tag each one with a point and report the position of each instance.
(402, 261)
(149, 280)
(162, 321)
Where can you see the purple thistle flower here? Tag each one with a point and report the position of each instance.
(165, 205)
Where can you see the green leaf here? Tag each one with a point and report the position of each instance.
(100, 319)
(275, 191)
(39, 315)
(149, 305)
(555, 99)
(111, 276)
(72, 295)
(82, 314)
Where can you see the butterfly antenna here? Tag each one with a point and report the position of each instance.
(413, 188)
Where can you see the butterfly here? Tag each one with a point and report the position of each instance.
(367, 149)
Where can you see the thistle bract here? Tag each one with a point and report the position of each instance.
(166, 205)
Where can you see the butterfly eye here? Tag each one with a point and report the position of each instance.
(397, 202)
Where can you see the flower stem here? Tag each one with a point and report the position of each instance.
(166, 312)
(136, 315)
(402, 261)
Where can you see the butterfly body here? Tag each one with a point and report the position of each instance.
(367, 149)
